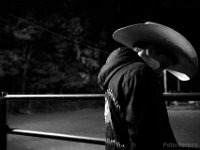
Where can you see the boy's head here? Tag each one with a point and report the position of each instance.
(167, 41)
(155, 56)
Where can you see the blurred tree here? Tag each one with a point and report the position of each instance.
(50, 46)
(52, 57)
(59, 46)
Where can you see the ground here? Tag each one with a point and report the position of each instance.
(89, 122)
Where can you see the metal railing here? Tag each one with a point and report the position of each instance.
(4, 128)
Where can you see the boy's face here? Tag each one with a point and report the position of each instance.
(149, 60)
(157, 61)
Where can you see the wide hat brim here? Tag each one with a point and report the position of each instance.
(187, 61)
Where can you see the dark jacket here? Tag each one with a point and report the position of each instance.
(135, 113)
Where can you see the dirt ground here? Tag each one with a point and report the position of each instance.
(89, 122)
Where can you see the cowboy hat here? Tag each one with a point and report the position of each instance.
(158, 34)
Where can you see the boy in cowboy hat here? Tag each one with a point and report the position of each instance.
(135, 113)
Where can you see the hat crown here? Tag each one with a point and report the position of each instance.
(164, 36)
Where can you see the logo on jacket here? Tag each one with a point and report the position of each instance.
(107, 113)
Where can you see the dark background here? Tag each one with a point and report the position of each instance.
(59, 46)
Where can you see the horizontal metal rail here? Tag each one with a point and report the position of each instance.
(53, 96)
(57, 136)
(182, 96)
(4, 129)
(167, 96)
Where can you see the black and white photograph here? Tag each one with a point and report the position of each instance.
(99, 75)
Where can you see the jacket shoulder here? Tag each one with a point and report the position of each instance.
(135, 69)
(137, 73)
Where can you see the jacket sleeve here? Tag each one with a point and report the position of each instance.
(140, 93)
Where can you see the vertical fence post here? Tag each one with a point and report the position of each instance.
(3, 126)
